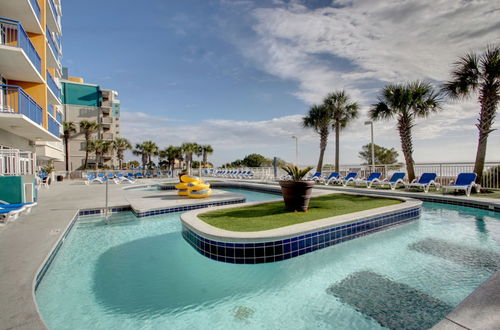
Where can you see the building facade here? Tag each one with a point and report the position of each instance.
(88, 102)
(30, 93)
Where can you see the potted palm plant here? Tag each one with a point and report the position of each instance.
(296, 191)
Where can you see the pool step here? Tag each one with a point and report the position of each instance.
(458, 253)
(393, 305)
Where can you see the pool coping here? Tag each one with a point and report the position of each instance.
(191, 220)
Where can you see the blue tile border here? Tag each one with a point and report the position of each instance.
(187, 207)
(261, 252)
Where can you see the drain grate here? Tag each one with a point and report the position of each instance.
(459, 253)
(393, 305)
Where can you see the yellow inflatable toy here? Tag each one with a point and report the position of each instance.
(193, 187)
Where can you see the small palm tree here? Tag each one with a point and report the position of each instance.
(296, 173)
(100, 147)
(319, 119)
(69, 128)
(343, 111)
(479, 74)
(405, 102)
(171, 153)
(206, 150)
(120, 145)
(146, 150)
(88, 128)
(190, 148)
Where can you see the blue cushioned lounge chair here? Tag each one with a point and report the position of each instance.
(331, 178)
(464, 181)
(393, 181)
(369, 180)
(350, 177)
(425, 181)
(315, 177)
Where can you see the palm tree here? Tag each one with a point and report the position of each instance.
(189, 148)
(88, 128)
(319, 119)
(405, 102)
(206, 150)
(480, 74)
(343, 111)
(100, 147)
(171, 153)
(146, 150)
(69, 128)
(120, 145)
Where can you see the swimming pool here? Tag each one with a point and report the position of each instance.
(140, 273)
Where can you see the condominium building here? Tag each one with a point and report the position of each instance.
(84, 101)
(30, 93)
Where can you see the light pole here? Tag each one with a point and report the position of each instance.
(296, 149)
(373, 145)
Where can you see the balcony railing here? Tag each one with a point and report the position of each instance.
(54, 127)
(52, 44)
(12, 34)
(53, 86)
(59, 117)
(107, 136)
(36, 8)
(15, 162)
(15, 100)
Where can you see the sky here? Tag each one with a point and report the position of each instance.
(240, 75)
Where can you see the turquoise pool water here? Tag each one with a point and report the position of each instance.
(141, 274)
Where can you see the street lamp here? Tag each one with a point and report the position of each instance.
(296, 149)
(373, 145)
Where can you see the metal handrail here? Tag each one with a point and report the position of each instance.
(13, 34)
(18, 101)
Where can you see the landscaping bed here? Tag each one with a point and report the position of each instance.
(273, 215)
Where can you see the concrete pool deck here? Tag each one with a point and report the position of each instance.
(25, 244)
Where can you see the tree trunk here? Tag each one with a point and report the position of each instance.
(66, 147)
(322, 146)
(86, 154)
(97, 155)
(404, 126)
(488, 102)
(337, 146)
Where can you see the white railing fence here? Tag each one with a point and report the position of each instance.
(16, 162)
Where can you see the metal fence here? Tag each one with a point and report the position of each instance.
(12, 34)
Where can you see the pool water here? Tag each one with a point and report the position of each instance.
(141, 274)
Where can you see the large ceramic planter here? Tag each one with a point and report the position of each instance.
(296, 194)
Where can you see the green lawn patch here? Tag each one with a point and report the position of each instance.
(273, 215)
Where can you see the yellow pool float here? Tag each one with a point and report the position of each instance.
(193, 187)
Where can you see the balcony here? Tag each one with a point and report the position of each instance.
(108, 136)
(106, 122)
(19, 59)
(49, 151)
(21, 115)
(54, 126)
(54, 89)
(53, 18)
(26, 11)
(59, 117)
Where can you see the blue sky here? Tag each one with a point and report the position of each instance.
(239, 75)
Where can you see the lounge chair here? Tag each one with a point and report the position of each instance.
(149, 175)
(425, 181)
(331, 178)
(369, 180)
(315, 177)
(464, 181)
(10, 214)
(26, 207)
(350, 177)
(393, 181)
(92, 178)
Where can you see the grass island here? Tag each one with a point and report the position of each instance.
(273, 215)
